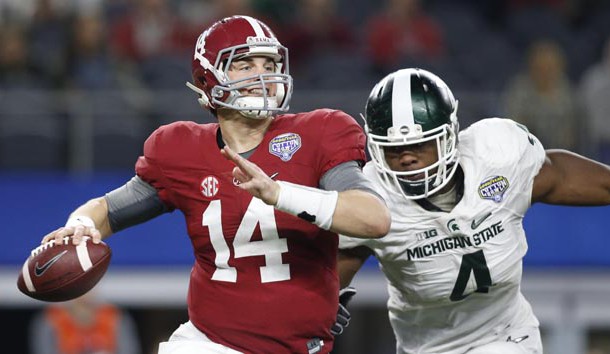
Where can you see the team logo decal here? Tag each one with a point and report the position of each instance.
(209, 186)
(453, 226)
(493, 188)
(285, 145)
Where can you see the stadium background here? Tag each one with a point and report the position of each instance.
(68, 135)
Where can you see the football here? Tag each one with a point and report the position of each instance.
(60, 272)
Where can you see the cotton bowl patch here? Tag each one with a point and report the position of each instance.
(285, 145)
(493, 188)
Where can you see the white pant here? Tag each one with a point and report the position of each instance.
(187, 339)
(524, 340)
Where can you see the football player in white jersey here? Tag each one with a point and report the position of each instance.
(453, 257)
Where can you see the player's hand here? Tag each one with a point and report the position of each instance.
(251, 178)
(77, 232)
(343, 315)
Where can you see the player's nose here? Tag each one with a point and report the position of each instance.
(407, 159)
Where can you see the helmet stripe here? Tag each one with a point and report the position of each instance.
(402, 108)
(258, 29)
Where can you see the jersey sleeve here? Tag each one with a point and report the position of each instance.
(509, 147)
(341, 140)
(346, 242)
(149, 167)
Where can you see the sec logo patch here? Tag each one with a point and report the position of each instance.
(209, 186)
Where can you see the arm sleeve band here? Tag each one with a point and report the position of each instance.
(311, 204)
(74, 221)
(345, 176)
(133, 203)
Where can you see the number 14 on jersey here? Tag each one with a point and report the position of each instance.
(271, 246)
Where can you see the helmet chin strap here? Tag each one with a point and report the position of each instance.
(440, 173)
(203, 100)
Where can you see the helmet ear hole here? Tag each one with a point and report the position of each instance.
(199, 78)
(201, 81)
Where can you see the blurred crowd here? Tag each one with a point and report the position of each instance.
(548, 61)
(85, 325)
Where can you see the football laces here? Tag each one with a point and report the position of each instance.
(48, 244)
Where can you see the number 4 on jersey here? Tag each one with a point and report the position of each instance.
(472, 263)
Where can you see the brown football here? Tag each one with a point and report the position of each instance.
(61, 272)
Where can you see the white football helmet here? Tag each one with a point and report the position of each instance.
(413, 106)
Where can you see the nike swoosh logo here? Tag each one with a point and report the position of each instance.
(477, 222)
(517, 340)
(38, 271)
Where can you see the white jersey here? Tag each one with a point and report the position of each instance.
(454, 277)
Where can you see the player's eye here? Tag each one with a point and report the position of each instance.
(240, 66)
(397, 150)
(393, 150)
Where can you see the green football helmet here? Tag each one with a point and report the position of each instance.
(413, 106)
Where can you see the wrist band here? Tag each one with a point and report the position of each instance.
(80, 220)
(311, 204)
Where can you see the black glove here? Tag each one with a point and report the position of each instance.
(343, 316)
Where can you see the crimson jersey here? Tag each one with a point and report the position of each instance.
(263, 281)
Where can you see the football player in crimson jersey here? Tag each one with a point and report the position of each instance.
(264, 196)
(453, 256)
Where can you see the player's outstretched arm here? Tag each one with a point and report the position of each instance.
(570, 179)
(133, 203)
(90, 219)
(349, 262)
(361, 214)
(353, 212)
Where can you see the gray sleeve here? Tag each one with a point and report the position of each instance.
(346, 176)
(133, 203)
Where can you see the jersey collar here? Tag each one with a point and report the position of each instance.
(459, 180)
